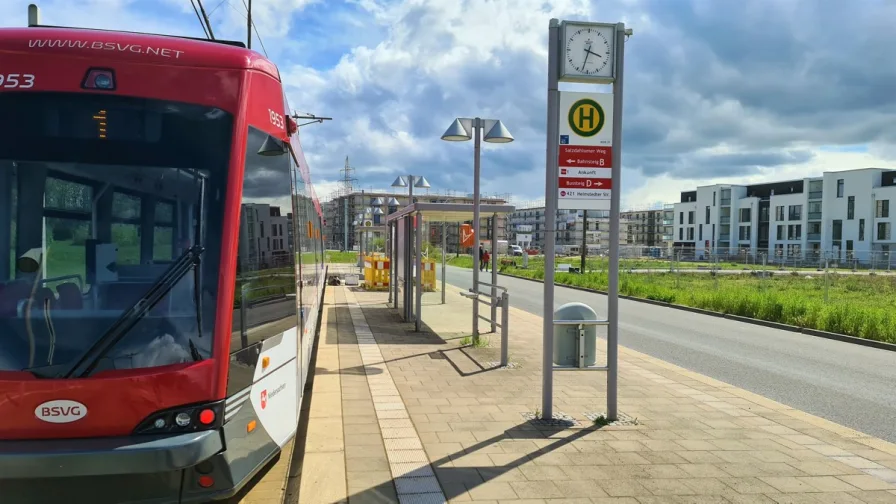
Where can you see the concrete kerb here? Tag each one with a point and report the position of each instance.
(881, 345)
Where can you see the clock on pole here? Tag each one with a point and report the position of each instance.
(588, 52)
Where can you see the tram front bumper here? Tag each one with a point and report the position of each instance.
(59, 458)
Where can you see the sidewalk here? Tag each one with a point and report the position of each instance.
(439, 422)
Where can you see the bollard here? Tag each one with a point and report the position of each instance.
(505, 322)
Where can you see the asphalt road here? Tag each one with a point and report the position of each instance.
(845, 383)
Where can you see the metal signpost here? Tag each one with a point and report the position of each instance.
(583, 165)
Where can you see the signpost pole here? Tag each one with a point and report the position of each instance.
(444, 252)
(418, 265)
(550, 219)
(390, 256)
(613, 287)
(494, 280)
(477, 146)
(584, 239)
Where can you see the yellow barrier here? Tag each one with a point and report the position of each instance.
(376, 272)
(429, 275)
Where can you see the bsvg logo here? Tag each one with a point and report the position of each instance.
(60, 411)
(264, 399)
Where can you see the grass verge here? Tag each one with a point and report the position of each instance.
(862, 306)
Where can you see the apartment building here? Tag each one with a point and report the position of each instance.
(374, 206)
(840, 215)
(646, 228)
(265, 236)
(527, 225)
(639, 229)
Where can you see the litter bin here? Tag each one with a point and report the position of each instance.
(566, 337)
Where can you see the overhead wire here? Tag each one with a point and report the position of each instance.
(199, 17)
(255, 30)
(208, 24)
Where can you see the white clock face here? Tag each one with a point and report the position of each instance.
(589, 51)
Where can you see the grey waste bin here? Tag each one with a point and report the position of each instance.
(566, 337)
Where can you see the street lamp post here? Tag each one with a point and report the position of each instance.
(460, 131)
(411, 181)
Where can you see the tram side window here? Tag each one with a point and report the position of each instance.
(265, 291)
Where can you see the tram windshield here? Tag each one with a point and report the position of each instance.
(100, 196)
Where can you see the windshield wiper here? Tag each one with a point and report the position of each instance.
(86, 363)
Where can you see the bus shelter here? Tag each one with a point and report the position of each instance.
(406, 238)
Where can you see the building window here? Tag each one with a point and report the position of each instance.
(861, 229)
(837, 230)
(814, 210)
(779, 213)
(780, 234)
(713, 198)
(745, 215)
(681, 233)
(849, 249)
(744, 233)
(779, 249)
(681, 217)
(795, 212)
(707, 215)
(700, 232)
(883, 230)
(793, 250)
(691, 234)
(839, 188)
(850, 207)
(691, 217)
(883, 209)
(795, 232)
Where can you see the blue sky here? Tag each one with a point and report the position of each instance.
(716, 90)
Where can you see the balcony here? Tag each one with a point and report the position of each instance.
(813, 195)
(725, 219)
(813, 216)
(725, 202)
(668, 222)
(813, 236)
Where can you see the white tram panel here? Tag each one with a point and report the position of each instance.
(274, 399)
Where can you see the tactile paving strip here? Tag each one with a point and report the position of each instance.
(411, 470)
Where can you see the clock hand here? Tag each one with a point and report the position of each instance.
(588, 50)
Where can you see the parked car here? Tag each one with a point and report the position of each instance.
(516, 250)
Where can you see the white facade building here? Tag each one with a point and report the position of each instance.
(841, 215)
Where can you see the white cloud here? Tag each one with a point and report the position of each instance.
(712, 94)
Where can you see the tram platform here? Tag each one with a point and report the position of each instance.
(419, 417)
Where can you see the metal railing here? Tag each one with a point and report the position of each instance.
(502, 301)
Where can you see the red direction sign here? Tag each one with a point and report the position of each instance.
(585, 183)
(586, 156)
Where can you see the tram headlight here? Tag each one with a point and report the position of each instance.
(190, 418)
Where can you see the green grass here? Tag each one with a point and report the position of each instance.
(602, 263)
(338, 257)
(858, 305)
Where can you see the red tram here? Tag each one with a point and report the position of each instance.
(164, 266)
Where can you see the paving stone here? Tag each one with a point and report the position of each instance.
(417, 485)
(433, 408)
